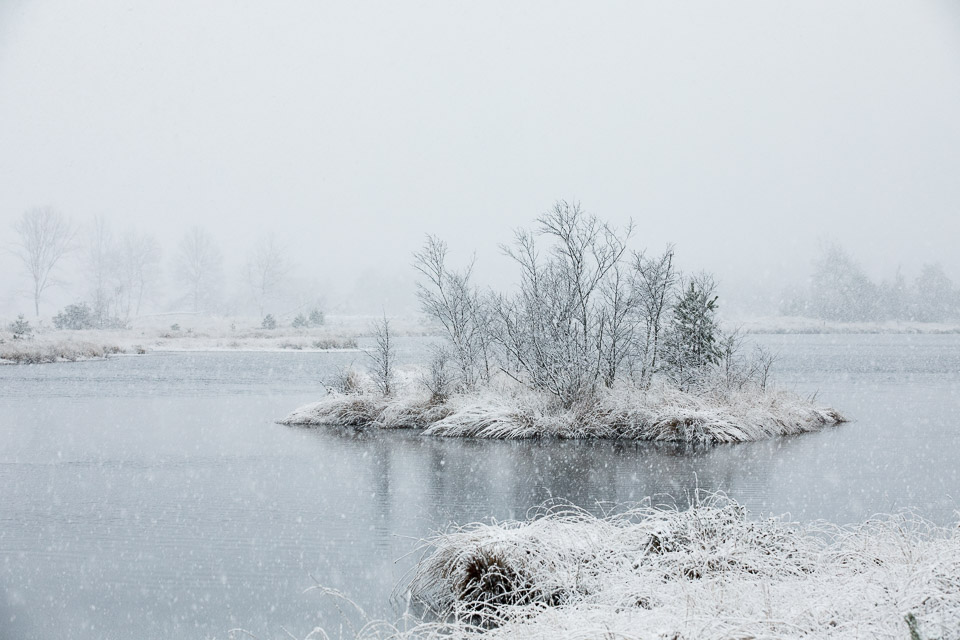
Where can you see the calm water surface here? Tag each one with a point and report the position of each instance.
(153, 497)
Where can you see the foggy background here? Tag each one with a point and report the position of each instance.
(744, 132)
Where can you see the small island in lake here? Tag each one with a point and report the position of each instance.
(595, 341)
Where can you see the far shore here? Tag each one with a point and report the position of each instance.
(189, 333)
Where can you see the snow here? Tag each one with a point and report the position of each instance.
(661, 413)
(706, 572)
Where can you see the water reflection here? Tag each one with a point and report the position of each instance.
(155, 498)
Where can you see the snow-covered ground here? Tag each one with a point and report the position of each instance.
(41, 351)
(708, 572)
(799, 324)
(189, 332)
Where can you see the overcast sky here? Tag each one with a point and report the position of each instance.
(742, 131)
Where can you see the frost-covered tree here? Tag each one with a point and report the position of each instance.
(694, 340)
(936, 300)
(120, 272)
(100, 266)
(553, 329)
(840, 290)
(139, 258)
(266, 271)
(199, 268)
(654, 282)
(43, 237)
(894, 297)
(383, 357)
(449, 297)
(582, 317)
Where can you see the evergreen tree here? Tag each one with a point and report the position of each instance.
(20, 328)
(694, 338)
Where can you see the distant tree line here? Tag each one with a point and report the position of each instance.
(114, 277)
(840, 290)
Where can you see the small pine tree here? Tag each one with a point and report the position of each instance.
(299, 322)
(694, 341)
(316, 318)
(20, 328)
(269, 322)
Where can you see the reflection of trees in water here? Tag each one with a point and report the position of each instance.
(441, 480)
(398, 487)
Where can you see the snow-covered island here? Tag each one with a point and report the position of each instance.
(595, 342)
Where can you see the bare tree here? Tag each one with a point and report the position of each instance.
(383, 357)
(449, 297)
(199, 266)
(44, 237)
(140, 267)
(654, 282)
(100, 264)
(618, 323)
(556, 328)
(266, 270)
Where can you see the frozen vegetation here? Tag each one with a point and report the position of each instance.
(22, 341)
(596, 342)
(511, 411)
(29, 352)
(705, 572)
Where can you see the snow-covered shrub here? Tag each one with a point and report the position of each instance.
(20, 328)
(438, 377)
(76, 316)
(334, 343)
(316, 318)
(299, 322)
(269, 322)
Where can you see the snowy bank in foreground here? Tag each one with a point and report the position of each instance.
(704, 573)
(662, 413)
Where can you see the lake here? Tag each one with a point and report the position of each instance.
(154, 497)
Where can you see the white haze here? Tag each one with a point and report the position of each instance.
(743, 132)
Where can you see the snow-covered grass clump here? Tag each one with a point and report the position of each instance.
(707, 572)
(511, 411)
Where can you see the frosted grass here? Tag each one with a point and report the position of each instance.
(661, 413)
(707, 572)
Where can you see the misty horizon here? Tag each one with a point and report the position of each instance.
(744, 135)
